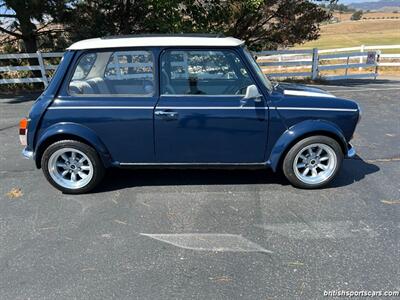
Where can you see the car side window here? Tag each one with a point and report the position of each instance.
(120, 73)
(203, 72)
(84, 66)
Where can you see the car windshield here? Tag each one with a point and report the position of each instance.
(257, 68)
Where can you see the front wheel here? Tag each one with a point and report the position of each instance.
(313, 162)
(72, 167)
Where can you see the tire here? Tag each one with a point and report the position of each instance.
(322, 168)
(72, 173)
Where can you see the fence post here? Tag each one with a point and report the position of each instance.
(280, 60)
(377, 58)
(361, 57)
(42, 68)
(314, 67)
(347, 67)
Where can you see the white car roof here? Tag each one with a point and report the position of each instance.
(162, 40)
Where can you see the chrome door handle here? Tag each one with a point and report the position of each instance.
(167, 114)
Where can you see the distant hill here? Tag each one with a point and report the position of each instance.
(347, 2)
(376, 5)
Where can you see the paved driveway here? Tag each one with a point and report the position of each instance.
(206, 234)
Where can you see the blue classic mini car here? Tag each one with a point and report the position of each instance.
(181, 101)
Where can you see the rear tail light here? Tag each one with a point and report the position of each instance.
(23, 131)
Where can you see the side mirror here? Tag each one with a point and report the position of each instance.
(253, 93)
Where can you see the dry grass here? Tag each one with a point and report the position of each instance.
(370, 15)
(388, 71)
(364, 32)
(15, 193)
(356, 33)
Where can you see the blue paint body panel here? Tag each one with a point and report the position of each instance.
(211, 130)
(203, 130)
(127, 132)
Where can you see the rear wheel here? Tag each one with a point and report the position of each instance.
(72, 167)
(313, 162)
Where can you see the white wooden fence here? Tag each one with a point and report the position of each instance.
(41, 66)
(313, 62)
(280, 63)
(289, 60)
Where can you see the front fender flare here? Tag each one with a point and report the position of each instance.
(81, 132)
(303, 129)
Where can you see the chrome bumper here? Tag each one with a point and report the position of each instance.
(27, 153)
(351, 152)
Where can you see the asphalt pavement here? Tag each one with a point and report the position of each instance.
(206, 234)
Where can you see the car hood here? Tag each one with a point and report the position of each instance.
(289, 89)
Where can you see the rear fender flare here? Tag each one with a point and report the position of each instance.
(66, 130)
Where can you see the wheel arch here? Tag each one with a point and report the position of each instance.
(71, 131)
(301, 131)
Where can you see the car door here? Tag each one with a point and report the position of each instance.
(201, 116)
(111, 94)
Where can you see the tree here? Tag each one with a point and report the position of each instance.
(261, 23)
(268, 24)
(357, 15)
(28, 20)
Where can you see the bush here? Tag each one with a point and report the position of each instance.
(357, 15)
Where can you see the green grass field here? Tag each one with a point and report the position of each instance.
(356, 33)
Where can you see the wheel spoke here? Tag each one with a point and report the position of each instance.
(64, 173)
(303, 157)
(305, 172)
(319, 151)
(324, 158)
(73, 155)
(310, 152)
(85, 168)
(61, 165)
(73, 177)
(301, 165)
(323, 167)
(82, 175)
(314, 172)
(82, 160)
(64, 157)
